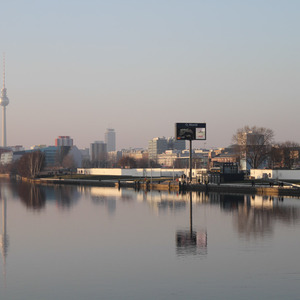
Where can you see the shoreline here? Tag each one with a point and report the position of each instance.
(238, 188)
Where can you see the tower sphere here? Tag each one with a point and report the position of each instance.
(4, 99)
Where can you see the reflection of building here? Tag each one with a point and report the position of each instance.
(188, 242)
(255, 215)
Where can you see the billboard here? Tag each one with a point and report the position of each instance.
(190, 131)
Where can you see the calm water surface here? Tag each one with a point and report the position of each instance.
(101, 243)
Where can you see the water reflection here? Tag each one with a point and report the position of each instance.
(31, 195)
(4, 241)
(252, 215)
(190, 241)
(109, 202)
(35, 196)
(145, 243)
(258, 214)
(65, 196)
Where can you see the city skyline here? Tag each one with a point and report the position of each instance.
(142, 67)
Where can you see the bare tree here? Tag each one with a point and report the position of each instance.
(69, 162)
(30, 164)
(285, 155)
(253, 144)
(61, 153)
(127, 162)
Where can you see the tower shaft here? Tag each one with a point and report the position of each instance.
(4, 126)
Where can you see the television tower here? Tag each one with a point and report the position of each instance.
(4, 102)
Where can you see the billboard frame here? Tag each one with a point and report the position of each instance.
(190, 131)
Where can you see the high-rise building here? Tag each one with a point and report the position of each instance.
(159, 145)
(63, 140)
(98, 151)
(4, 102)
(110, 139)
(156, 146)
(174, 144)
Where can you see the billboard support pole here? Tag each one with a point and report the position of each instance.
(190, 161)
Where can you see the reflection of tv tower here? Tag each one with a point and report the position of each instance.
(4, 235)
(4, 102)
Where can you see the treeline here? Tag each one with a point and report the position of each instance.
(257, 147)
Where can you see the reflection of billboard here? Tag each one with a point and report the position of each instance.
(190, 131)
(188, 242)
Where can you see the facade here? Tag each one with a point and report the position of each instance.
(157, 146)
(98, 151)
(135, 153)
(222, 156)
(168, 158)
(174, 144)
(50, 155)
(85, 153)
(10, 157)
(275, 174)
(110, 139)
(63, 140)
(139, 172)
(76, 155)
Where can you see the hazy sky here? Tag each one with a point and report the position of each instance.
(76, 67)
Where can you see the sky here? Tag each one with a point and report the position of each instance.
(76, 67)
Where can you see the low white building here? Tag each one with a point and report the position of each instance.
(141, 172)
(275, 174)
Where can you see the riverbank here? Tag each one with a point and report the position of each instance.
(169, 185)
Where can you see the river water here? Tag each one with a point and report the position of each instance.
(72, 242)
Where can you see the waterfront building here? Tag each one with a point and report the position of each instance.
(50, 153)
(110, 139)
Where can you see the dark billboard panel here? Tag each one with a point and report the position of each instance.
(190, 131)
